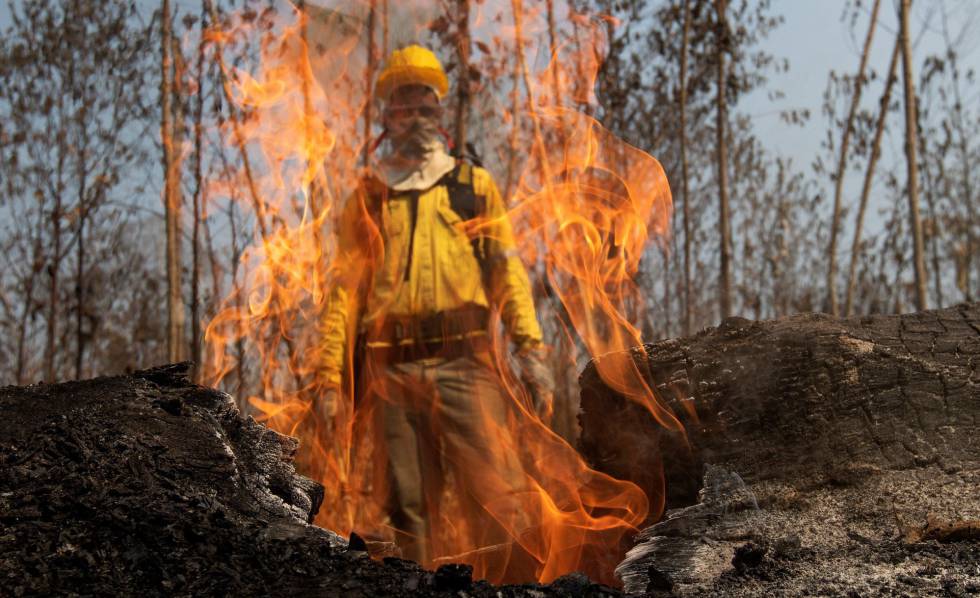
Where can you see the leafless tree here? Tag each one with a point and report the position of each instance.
(171, 189)
(911, 142)
(685, 191)
(721, 149)
(463, 93)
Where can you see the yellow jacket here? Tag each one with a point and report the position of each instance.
(370, 280)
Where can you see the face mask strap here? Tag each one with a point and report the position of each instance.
(449, 139)
(377, 142)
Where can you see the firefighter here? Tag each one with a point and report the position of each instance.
(427, 254)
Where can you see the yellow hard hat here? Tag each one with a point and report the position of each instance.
(412, 65)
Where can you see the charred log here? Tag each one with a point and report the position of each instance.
(822, 456)
(148, 485)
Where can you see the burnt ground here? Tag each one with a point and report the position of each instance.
(148, 485)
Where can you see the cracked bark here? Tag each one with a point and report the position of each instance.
(851, 437)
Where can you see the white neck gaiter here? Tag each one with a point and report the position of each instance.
(405, 174)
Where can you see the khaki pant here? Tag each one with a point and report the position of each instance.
(451, 414)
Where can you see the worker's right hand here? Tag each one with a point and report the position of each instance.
(538, 379)
(326, 404)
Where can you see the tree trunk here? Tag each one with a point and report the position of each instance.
(515, 122)
(236, 292)
(171, 193)
(37, 259)
(685, 180)
(966, 168)
(842, 163)
(313, 193)
(552, 53)
(870, 173)
(911, 134)
(81, 147)
(385, 27)
(80, 282)
(933, 233)
(668, 318)
(580, 95)
(200, 201)
(463, 74)
(369, 71)
(721, 149)
(53, 271)
(820, 454)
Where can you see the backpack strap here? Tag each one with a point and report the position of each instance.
(462, 195)
(464, 200)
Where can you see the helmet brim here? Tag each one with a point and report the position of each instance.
(396, 77)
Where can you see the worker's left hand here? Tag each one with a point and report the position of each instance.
(537, 377)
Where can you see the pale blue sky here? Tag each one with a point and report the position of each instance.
(816, 40)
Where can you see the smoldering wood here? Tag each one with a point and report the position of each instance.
(149, 485)
(822, 456)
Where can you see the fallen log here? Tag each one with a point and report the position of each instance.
(147, 485)
(822, 456)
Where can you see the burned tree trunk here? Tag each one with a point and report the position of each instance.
(822, 456)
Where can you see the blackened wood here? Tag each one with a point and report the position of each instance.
(147, 485)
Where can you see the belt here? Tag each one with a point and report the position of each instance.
(450, 334)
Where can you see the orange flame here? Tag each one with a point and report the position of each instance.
(584, 206)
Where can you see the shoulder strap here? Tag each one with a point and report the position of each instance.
(463, 198)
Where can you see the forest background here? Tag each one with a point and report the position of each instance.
(116, 127)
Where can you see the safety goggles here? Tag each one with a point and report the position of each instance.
(401, 111)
